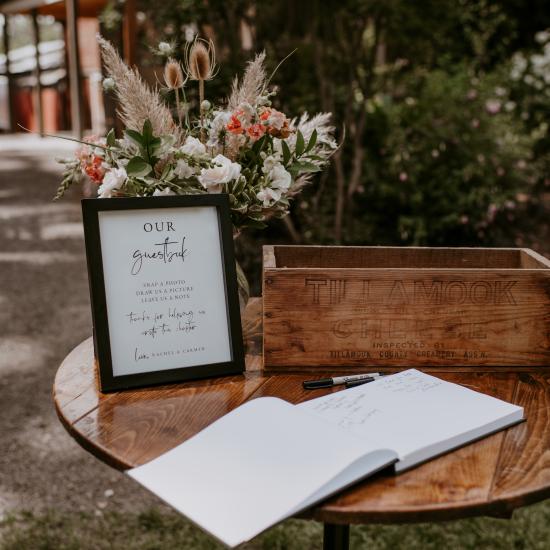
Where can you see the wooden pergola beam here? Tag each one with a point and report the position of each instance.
(8, 75)
(37, 92)
(129, 32)
(75, 84)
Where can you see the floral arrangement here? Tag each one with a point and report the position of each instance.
(245, 148)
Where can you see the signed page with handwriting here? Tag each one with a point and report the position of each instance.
(164, 284)
(417, 415)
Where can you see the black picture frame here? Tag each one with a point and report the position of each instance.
(102, 344)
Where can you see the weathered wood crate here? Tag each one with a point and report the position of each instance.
(358, 306)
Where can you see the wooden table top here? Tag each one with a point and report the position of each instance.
(490, 477)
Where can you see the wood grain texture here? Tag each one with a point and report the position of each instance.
(362, 310)
(491, 477)
(140, 425)
(103, 423)
(402, 257)
(523, 472)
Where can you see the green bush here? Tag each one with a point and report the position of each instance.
(441, 107)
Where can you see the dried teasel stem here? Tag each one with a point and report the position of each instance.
(200, 64)
(201, 99)
(174, 79)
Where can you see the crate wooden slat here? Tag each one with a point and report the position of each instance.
(392, 306)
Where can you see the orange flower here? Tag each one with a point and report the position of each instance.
(256, 131)
(94, 169)
(234, 125)
(265, 114)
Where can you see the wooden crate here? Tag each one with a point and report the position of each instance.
(380, 306)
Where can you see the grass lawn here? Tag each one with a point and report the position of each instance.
(154, 530)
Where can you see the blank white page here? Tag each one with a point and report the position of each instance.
(255, 466)
(417, 415)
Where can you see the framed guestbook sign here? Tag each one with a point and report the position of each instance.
(163, 288)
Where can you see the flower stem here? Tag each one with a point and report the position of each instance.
(178, 105)
(201, 99)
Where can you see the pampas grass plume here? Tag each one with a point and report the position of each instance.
(137, 102)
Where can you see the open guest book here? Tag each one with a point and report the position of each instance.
(267, 460)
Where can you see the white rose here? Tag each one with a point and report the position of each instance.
(269, 196)
(166, 192)
(222, 171)
(112, 180)
(183, 170)
(279, 177)
(193, 147)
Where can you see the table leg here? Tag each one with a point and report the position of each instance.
(335, 537)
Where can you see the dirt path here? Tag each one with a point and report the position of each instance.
(44, 313)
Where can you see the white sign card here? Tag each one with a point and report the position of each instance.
(163, 287)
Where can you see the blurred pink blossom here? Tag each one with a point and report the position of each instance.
(493, 106)
(491, 212)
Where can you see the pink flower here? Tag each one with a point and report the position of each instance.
(276, 119)
(492, 106)
(256, 131)
(403, 176)
(491, 212)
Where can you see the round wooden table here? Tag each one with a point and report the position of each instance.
(491, 477)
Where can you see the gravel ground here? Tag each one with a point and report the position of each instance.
(44, 313)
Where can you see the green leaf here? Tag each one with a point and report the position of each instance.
(138, 167)
(111, 141)
(135, 137)
(165, 171)
(305, 167)
(257, 147)
(147, 131)
(255, 224)
(312, 141)
(286, 152)
(238, 186)
(153, 146)
(300, 144)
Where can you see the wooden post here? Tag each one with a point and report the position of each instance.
(129, 32)
(8, 75)
(335, 537)
(75, 85)
(63, 85)
(37, 96)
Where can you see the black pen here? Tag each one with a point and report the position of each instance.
(338, 380)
